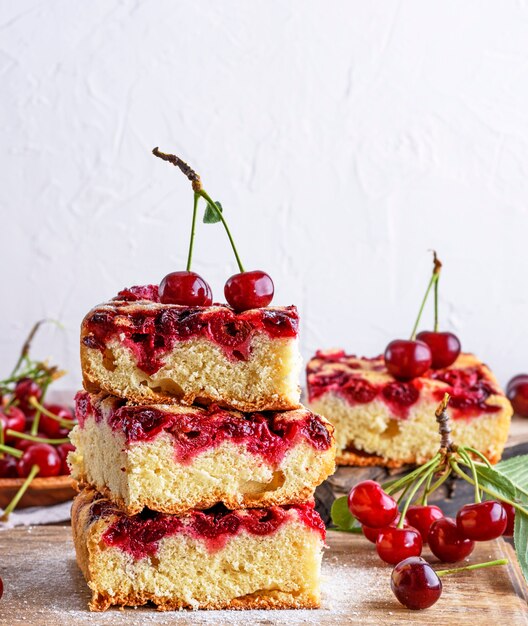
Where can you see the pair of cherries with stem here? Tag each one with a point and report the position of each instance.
(409, 358)
(399, 535)
(243, 291)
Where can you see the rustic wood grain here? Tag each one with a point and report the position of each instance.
(43, 587)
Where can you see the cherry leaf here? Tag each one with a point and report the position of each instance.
(211, 214)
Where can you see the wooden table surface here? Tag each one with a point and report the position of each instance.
(43, 587)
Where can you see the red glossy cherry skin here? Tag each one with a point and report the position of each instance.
(8, 467)
(24, 390)
(445, 347)
(1, 588)
(421, 517)
(185, 288)
(51, 427)
(517, 392)
(42, 454)
(406, 359)
(371, 506)
(372, 533)
(415, 583)
(63, 449)
(12, 418)
(510, 526)
(395, 544)
(482, 521)
(249, 290)
(446, 542)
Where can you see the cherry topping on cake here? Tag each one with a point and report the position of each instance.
(482, 521)
(44, 456)
(445, 347)
(371, 505)
(249, 290)
(415, 583)
(517, 392)
(185, 288)
(447, 542)
(407, 359)
(395, 544)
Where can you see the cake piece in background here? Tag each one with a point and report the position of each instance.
(382, 421)
(150, 352)
(253, 558)
(173, 458)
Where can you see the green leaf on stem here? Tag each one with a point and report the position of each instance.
(520, 539)
(491, 478)
(341, 516)
(516, 469)
(211, 215)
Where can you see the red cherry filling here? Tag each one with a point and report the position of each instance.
(395, 544)
(371, 505)
(445, 347)
(422, 516)
(482, 521)
(406, 359)
(446, 541)
(517, 392)
(45, 456)
(415, 583)
(185, 288)
(249, 290)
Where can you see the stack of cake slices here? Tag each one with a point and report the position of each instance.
(197, 463)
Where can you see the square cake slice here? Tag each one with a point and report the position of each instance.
(174, 458)
(150, 352)
(251, 558)
(381, 421)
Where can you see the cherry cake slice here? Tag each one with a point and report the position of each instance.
(173, 458)
(381, 421)
(137, 348)
(245, 559)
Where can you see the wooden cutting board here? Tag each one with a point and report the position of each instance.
(43, 586)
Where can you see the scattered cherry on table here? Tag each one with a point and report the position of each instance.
(445, 347)
(407, 359)
(249, 290)
(185, 288)
(415, 583)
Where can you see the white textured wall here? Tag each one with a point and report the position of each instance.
(344, 139)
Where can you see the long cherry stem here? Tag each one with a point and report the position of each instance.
(467, 568)
(434, 279)
(13, 433)
(22, 490)
(193, 230)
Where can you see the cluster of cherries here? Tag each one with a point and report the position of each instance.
(47, 448)
(410, 358)
(243, 291)
(400, 542)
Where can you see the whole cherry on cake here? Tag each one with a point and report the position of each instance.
(243, 291)
(517, 392)
(410, 358)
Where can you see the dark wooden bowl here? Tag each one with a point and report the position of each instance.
(41, 491)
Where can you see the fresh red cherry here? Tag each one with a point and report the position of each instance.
(8, 467)
(446, 541)
(445, 347)
(24, 390)
(45, 456)
(395, 544)
(14, 419)
(372, 533)
(249, 290)
(510, 526)
(406, 359)
(422, 516)
(415, 583)
(517, 392)
(482, 521)
(371, 506)
(186, 288)
(63, 449)
(51, 427)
